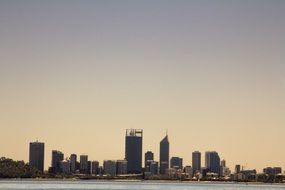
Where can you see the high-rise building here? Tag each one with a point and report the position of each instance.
(212, 161)
(122, 167)
(196, 161)
(147, 156)
(164, 154)
(133, 150)
(65, 166)
(223, 163)
(224, 170)
(73, 161)
(57, 157)
(110, 167)
(237, 169)
(176, 163)
(78, 165)
(95, 167)
(89, 167)
(207, 159)
(100, 170)
(36, 155)
(84, 164)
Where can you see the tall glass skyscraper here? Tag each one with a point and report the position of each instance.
(133, 150)
(36, 155)
(84, 164)
(212, 161)
(196, 161)
(164, 154)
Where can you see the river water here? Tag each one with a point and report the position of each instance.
(123, 185)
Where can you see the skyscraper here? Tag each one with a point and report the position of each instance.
(133, 150)
(196, 161)
(164, 154)
(212, 161)
(73, 160)
(83, 164)
(36, 155)
(95, 167)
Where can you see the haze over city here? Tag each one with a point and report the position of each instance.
(76, 74)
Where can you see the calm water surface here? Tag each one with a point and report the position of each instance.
(101, 185)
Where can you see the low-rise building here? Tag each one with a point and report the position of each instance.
(245, 175)
(188, 171)
(173, 173)
(272, 170)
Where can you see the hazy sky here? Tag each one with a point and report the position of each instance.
(76, 74)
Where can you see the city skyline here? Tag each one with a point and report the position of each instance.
(135, 155)
(76, 74)
(131, 166)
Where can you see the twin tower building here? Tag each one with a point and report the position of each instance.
(133, 153)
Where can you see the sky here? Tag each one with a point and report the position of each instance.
(77, 74)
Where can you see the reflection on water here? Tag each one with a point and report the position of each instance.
(145, 185)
